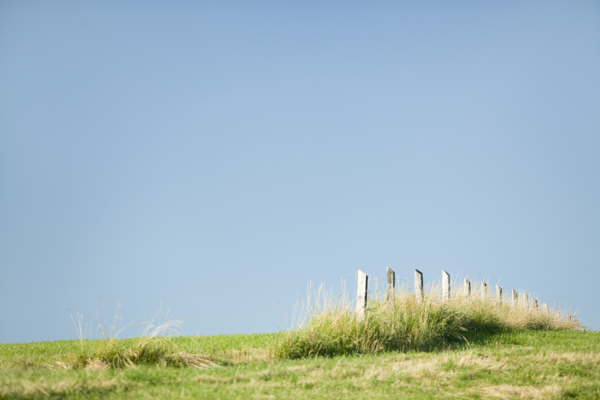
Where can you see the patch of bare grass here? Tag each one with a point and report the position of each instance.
(48, 386)
(508, 392)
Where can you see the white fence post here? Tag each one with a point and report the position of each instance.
(545, 308)
(445, 285)
(515, 298)
(484, 295)
(467, 288)
(526, 300)
(419, 285)
(361, 295)
(391, 286)
(499, 294)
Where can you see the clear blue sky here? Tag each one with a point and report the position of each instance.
(217, 156)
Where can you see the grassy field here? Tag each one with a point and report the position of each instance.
(515, 365)
(475, 346)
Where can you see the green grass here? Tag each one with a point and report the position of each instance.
(477, 347)
(223, 349)
(518, 364)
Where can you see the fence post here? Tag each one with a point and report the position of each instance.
(558, 314)
(515, 297)
(535, 304)
(361, 295)
(499, 294)
(467, 288)
(419, 285)
(391, 286)
(445, 285)
(484, 291)
(545, 308)
(569, 319)
(526, 300)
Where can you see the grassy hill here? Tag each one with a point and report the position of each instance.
(410, 347)
(517, 364)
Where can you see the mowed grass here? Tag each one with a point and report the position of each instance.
(509, 365)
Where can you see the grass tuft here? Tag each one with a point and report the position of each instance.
(154, 348)
(156, 352)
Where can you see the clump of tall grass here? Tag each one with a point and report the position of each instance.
(156, 351)
(153, 348)
(331, 326)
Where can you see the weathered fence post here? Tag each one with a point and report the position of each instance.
(545, 308)
(391, 286)
(526, 300)
(419, 285)
(498, 294)
(445, 285)
(515, 297)
(569, 319)
(361, 295)
(467, 288)
(558, 314)
(535, 304)
(484, 291)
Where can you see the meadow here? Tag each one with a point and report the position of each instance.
(465, 347)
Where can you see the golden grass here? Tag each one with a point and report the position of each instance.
(48, 386)
(508, 392)
(582, 358)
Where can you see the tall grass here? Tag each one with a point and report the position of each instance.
(154, 347)
(331, 326)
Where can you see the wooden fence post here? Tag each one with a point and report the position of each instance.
(569, 319)
(526, 300)
(558, 314)
(445, 285)
(391, 286)
(535, 304)
(467, 288)
(515, 298)
(484, 291)
(361, 295)
(498, 294)
(545, 308)
(419, 285)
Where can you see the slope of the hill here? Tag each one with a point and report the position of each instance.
(516, 365)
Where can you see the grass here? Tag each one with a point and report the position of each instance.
(460, 348)
(513, 365)
(331, 327)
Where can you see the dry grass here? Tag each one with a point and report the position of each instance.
(159, 352)
(154, 347)
(47, 387)
(581, 358)
(189, 360)
(508, 392)
(243, 356)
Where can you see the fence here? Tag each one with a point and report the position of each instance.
(363, 285)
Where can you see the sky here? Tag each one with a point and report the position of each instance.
(213, 158)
